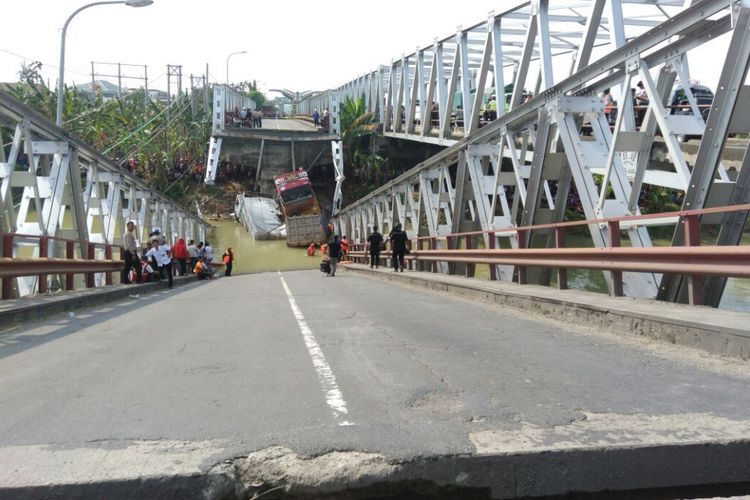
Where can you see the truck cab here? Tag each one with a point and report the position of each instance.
(295, 193)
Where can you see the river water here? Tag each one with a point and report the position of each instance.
(261, 256)
(253, 256)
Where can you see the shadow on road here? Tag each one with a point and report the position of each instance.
(57, 326)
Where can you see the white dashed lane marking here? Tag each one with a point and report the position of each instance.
(333, 395)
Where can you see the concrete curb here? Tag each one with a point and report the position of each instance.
(650, 471)
(18, 311)
(716, 331)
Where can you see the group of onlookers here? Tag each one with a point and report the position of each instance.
(157, 258)
(245, 117)
(321, 120)
(337, 249)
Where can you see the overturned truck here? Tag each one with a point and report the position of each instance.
(304, 219)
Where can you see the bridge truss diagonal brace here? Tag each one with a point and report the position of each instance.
(733, 74)
(337, 154)
(483, 163)
(587, 158)
(212, 162)
(437, 195)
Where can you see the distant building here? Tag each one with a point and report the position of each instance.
(107, 89)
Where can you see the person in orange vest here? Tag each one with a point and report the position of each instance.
(311, 250)
(228, 259)
(344, 247)
(324, 249)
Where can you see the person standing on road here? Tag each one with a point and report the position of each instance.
(398, 239)
(316, 118)
(334, 253)
(192, 251)
(161, 253)
(208, 256)
(130, 247)
(344, 247)
(228, 259)
(180, 254)
(374, 242)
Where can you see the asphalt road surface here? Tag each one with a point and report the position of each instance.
(288, 124)
(312, 364)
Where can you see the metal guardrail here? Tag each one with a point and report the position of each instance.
(14, 267)
(76, 192)
(690, 260)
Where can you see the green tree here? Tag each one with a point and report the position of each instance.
(356, 124)
(150, 136)
(250, 89)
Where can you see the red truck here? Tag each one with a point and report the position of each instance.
(300, 207)
(295, 194)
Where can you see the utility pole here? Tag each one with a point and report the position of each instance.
(197, 83)
(104, 69)
(174, 76)
(206, 101)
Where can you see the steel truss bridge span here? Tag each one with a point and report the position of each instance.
(55, 186)
(519, 170)
(431, 95)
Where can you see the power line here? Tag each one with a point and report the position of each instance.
(154, 133)
(44, 63)
(88, 112)
(138, 129)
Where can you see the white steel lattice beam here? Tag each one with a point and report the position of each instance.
(46, 167)
(518, 169)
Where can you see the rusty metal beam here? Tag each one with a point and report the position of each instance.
(715, 261)
(14, 267)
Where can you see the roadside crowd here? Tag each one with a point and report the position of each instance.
(159, 260)
(337, 249)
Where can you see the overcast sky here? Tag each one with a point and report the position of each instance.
(300, 45)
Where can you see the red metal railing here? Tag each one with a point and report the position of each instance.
(13, 267)
(691, 259)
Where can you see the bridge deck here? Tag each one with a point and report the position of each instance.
(172, 383)
(279, 130)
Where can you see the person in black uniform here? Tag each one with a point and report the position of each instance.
(398, 239)
(334, 253)
(374, 242)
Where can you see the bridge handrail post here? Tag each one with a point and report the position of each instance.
(7, 252)
(43, 253)
(693, 239)
(451, 243)
(108, 256)
(613, 227)
(562, 273)
(493, 268)
(470, 269)
(91, 255)
(522, 239)
(409, 262)
(69, 254)
(433, 246)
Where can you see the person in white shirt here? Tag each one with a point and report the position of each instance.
(161, 253)
(208, 256)
(192, 254)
